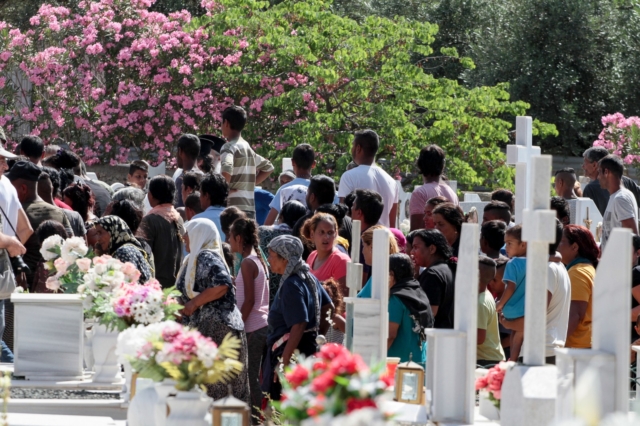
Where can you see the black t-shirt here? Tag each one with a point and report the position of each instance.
(437, 281)
(600, 196)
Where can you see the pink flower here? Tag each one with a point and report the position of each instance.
(83, 264)
(101, 260)
(61, 266)
(53, 284)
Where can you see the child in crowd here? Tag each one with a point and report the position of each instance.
(492, 238)
(497, 287)
(511, 304)
(138, 174)
(489, 351)
(335, 334)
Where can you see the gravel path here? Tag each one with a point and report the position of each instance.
(26, 393)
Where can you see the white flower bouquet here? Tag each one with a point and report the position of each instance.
(67, 261)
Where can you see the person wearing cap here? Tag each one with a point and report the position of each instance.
(24, 176)
(303, 161)
(188, 152)
(14, 220)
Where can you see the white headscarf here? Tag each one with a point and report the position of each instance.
(203, 235)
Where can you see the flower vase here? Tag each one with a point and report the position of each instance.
(88, 345)
(487, 408)
(188, 409)
(161, 410)
(106, 365)
(142, 404)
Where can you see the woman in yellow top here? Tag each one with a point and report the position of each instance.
(580, 256)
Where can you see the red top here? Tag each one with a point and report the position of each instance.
(334, 267)
(61, 204)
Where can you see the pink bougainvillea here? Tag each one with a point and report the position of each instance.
(621, 136)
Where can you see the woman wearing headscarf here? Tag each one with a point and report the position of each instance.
(113, 237)
(297, 314)
(209, 298)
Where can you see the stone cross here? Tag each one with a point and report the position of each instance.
(354, 268)
(287, 164)
(584, 212)
(451, 358)
(380, 285)
(521, 155)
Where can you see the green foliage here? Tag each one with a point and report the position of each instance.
(358, 75)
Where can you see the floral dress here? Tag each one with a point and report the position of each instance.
(130, 253)
(218, 318)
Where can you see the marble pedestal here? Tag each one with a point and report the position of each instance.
(529, 396)
(49, 333)
(363, 328)
(445, 375)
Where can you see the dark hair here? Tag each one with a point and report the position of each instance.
(370, 204)
(487, 268)
(236, 116)
(324, 189)
(410, 236)
(207, 163)
(451, 213)
(32, 146)
(216, 187)
(54, 176)
(66, 178)
(436, 201)
(81, 197)
(553, 247)
(431, 160)
(247, 229)
(568, 170)
(587, 246)
(515, 232)
(162, 188)
(65, 159)
(500, 209)
(131, 193)
(613, 163)
(338, 211)
(230, 215)
(303, 156)
(292, 211)
(332, 288)
(561, 206)
(127, 211)
(228, 255)
(433, 237)
(368, 140)
(311, 224)
(493, 233)
(636, 242)
(503, 195)
(138, 165)
(190, 145)
(401, 266)
(48, 228)
(595, 153)
(12, 161)
(193, 202)
(192, 180)
(349, 200)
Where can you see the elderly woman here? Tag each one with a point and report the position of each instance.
(209, 298)
(297, 313)
(112, 236)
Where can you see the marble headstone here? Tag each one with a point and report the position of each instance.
(580, 209)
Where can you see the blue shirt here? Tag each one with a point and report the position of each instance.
(276, 203)
(293, 304)
(213, 214)
(262, 199)
(365, 293)
(516, 272)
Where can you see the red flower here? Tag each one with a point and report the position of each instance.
(323, 382)
(387, 379)
(319, 366)
(354, 404)
(346, 364)
(298, 376)
(331, 351)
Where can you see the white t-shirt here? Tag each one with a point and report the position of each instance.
(559, 285)
(293, 192)
(622, 205)
(375, 179)
(10, 204)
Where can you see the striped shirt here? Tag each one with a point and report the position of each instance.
(243, 164)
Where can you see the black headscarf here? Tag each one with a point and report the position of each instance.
(410, 293)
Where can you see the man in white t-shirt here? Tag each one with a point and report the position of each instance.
(622, 209)
(369, 176)
(15, 218)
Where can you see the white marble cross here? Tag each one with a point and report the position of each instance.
(287, 164)
(354, 268)
(521, 155)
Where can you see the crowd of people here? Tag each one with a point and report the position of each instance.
(271, 269)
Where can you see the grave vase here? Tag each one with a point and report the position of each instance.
(161, 409)
(106, 365)
(143, 404)
(88, 345)
(188, 408)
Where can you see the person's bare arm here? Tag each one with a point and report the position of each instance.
(392, 215)
(341, 199)
(12, 245)
(393, 333)
(339, 323)
(515, 325)
(261, 176)
(295, 335)
(416, 221)
(249, 273)
(24, 228)
(271, 217)
(434, 310)
(508, 292)
(324, 323)
(226, 176)
(209, 295)
(482, 335)
(577, 311)
(631, 224)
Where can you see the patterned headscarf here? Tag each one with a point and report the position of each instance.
(120, 233)
(203, 235)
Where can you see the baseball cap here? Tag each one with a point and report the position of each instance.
(6, 154)
(24, 170)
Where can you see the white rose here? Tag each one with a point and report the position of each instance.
(100, 269)
(49, 245)
(73, 248)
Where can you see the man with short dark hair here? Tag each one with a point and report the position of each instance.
(162, 228)
(563, 211)
(190, 184)
(593, 190)
(505, 196)
(138, 174)
(369, 176)
(322, 190)
(497, 210)
(492, 238)
(187, 159)
(32, 147)
(241, 166)
(192, 205)
(622, 209)
(565, 182)
(368, 208)
(303, 161)
(214, 191)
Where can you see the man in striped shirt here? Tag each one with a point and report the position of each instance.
(242, 168)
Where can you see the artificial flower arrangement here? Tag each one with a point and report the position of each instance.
(67, 261)
(492, 382)
(167, 350)
(334, 382)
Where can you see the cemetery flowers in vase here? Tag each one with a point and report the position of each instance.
(67, 261)
(492, 382)
(167, 350)
(334, 382)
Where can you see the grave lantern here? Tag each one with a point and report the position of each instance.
(230, 411)
(409, 385)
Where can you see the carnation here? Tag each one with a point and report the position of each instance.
(50, 249)
(73, 248)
